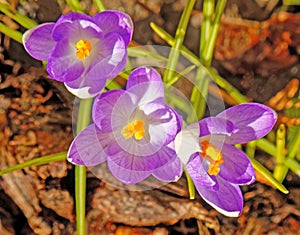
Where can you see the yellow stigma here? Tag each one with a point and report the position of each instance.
(84, 48)
(213, 155)
(134, 129)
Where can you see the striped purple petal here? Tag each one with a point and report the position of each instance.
(88, 147)
(228, 199)
(117, 22)
(252, 119)
(146, 84)
(38, 41)
(236, 168)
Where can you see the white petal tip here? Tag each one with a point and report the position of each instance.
(82, 93)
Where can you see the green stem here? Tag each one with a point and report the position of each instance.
(177, 76)
(190, 183)
(35, 162)
(205, 33)
(293, 145)
(142, 52)
(112, 85)
(75, 5)
(266, 146)
(250, 149)
(199, 93)
(178, 102)
(291, 2)
(14, 34)
(293, 148)
(200, 89)
(16, 16)
(265, 172)
(209, 32)
(99, 4)
(280, 156)
(84, 119)
(179, 37)
(209, 49)
(231, 90)
(293, 165)
(270, 148)
(80, 197)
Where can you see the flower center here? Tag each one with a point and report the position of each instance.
(213, 155)
(84, 48)
(134, 129)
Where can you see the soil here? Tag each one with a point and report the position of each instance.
(36, 119)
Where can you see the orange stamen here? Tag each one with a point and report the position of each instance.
(213, 155)
(134, 129)
(84, 48)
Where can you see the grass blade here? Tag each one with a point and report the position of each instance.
(84, 119)
(99, 4)
(178, 41)
(36, 162)
(279, 170)
(267, 174)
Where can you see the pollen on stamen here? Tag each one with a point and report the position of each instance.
(134, 129)
(84, 48)
(128, 131)
(139, 130)
(213, 155)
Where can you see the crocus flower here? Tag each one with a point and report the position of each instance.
(216, 167)
(133, 130)
(82, 51)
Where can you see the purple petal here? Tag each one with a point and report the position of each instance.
(108, 60)
(197, 167)
(164, 123)
(236, 168)
(218, 126)
(63, 65)
(73, 24)
(253, 120)
(169, 172)
(126, 176)
(115, 21)
(146, 83)
(73, 16)
(87, 148)
(161, 126)
(228, 199)
(111, 110)
(80, 89)
(38, 41)
(125, 159)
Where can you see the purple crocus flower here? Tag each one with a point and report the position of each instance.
(82, 51)
(133, 130)
(216, 167)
